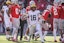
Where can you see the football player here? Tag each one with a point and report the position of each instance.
(5, 10)
(44, 21)
(14, 11)
(33, 19)
(56, 13)
(62, 21)
(28, 9)
(46, 16)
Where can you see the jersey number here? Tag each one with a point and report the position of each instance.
(17, 11)
(33, 17)
(55, 11)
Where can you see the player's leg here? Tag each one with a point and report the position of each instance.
(14, 34)
(16, 24)
(31, 31)
(46, 28)
(7, 30)
(27, 31)
(26, 34)
(62, 29)
(7, 33)
(54, 29)
(38, 27)
(36, 35)
(1, 27)
(62, 36)
(34, 29)
(7, 27)
(21, 30)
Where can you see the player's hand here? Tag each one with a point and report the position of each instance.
(2, 11)
(24, 17)
(11, 19)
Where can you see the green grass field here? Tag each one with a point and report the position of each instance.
(49, 39)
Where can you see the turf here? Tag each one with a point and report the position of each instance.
(49, 39)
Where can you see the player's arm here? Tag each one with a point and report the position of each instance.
(8, 12)
(28, 19)
(39, 14)
(45, 15)
(24, 17)
(2, 10)
(41, 19)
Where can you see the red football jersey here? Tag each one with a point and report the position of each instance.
(45, 14)
(55, 12)
(62, 13)
(15, 11)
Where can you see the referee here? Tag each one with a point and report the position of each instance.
(22, 22)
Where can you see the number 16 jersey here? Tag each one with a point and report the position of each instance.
(33, 16)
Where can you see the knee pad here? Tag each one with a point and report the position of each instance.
(7, 29)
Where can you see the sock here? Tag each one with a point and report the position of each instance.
(36, 33)
(41, 35)
(26, 35)
(60, 37)
(29, 38)
(14, 34)
(54, 33)
(63, 39)
(7, 36)
(1, 28)
(63, 35)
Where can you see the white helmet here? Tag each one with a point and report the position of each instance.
(49, 7)
(57, 1)
(62, 1)
(31, 2)
(14, 1)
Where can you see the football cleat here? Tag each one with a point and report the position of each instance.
(15, 40)
(60, 39)
(55, 40)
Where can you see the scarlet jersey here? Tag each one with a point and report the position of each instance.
(56, 12)
(15, 11)
(62, 13)
(45, 14)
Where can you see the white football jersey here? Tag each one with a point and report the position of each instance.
(33, 16)
(6, 17)
(5, 8)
